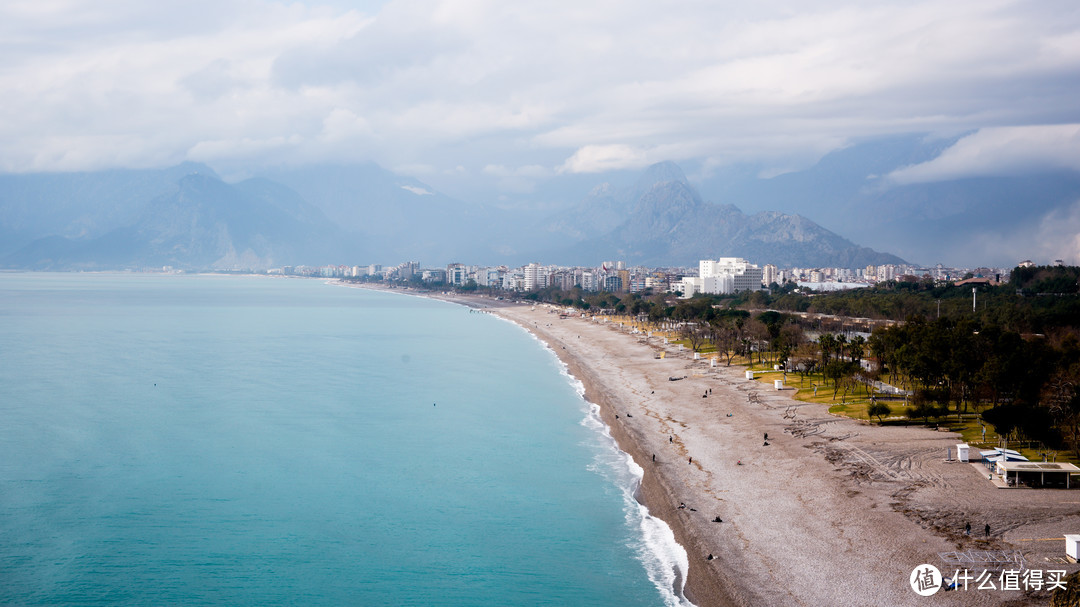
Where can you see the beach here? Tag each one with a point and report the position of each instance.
(832, 511)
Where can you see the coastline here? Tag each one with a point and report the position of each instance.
(702, 587)
(832, 511)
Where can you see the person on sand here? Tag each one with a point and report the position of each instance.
(766, 437)
(654, 457)
(718, 520)
(670, 439)
(691, 460)
(967, 529)
(988, 530)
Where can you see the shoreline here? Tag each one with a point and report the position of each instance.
(701, 587)
(651, 491)
(830, 510)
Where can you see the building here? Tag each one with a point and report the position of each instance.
(457, 274)
(723, 276)
(588, 281)
(770, 274)
(1036, 474)
(535, 276)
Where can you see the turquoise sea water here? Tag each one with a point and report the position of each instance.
(230, 440)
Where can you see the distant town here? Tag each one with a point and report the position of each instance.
(724, 275)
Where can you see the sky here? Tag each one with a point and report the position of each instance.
(488, 99)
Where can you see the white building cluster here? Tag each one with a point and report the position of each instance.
(723, 276)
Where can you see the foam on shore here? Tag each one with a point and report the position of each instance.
(664, 559)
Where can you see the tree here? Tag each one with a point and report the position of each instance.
(1062, 396)
(827, 344)
(878, 410)
(692, 333)
(925, 410)
(856, 348)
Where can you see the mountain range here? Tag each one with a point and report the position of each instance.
(662, 217)
(188, 217)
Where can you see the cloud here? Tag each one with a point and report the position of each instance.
(568, 86)
(416, 190)
(532, 170)
(601, 158)
(1005, 151)
(1055, 235)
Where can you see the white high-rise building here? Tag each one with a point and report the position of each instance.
(722, 276)
(769, 274)
(535, 276)
(745, 276)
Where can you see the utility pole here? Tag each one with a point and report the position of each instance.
(972, 300)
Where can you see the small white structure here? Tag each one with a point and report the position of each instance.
(962, 451)
(778, 384)
(697, 355)
(712, 362)
(750, 375)
(1072, 547)
(1036, 474)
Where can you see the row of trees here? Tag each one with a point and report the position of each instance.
(1027, 386)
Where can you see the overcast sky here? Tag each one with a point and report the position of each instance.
(508, 93)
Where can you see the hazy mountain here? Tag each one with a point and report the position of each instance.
(662, 220)
(403, 218)
(187, 217)
(954, 221)
(79, 205)
(202, 223)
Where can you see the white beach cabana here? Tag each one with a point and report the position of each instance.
(1037, 474)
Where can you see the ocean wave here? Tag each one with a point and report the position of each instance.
(664, 559)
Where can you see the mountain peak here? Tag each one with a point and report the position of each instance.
(661, 172)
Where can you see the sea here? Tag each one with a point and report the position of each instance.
(241, 440)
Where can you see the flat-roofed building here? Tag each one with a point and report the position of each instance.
(1037, 474)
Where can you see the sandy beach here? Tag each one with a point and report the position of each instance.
(833, 511)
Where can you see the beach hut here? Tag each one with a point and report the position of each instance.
(1072, 547)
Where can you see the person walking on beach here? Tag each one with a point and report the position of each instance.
(691, 460)
(988, 530)
(967, 529)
